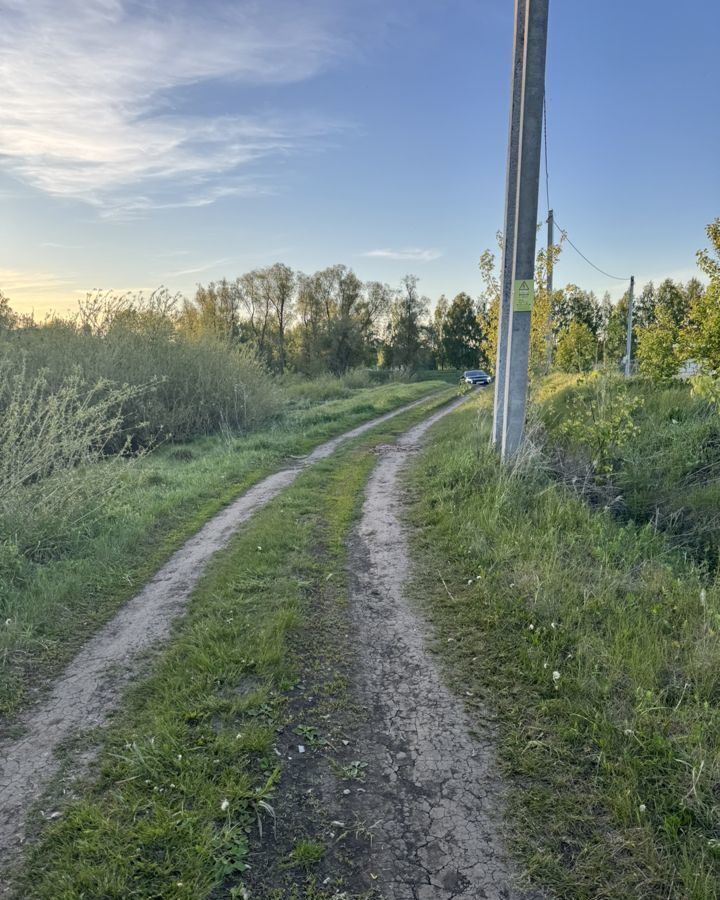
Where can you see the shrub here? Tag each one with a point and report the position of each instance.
(601, 419)
(198, 385)
(576, 348)
(51, 438)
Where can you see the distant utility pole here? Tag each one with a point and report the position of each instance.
(628, 346)
(509, 228)
(549, 263)
(528, 180)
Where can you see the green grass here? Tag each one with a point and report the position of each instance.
(188, 773)
(50, 602)
(596, 646)
(669, 473)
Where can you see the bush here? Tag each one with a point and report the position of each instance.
(601, 419)
(51, 438)
(181, 387)
(576, 348)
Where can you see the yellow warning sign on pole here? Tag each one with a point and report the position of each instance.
(523, 295)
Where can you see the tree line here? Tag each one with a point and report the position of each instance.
(676, 326)
(331, 321)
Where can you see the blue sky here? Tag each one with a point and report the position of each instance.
(171, 142)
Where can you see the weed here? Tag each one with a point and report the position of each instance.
(307, 853)
(352, 771)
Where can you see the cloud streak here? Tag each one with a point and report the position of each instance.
(14, 281)
(409, 254)
(92, 93)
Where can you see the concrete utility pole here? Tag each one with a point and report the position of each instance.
(509, 227)
(628, 346)
(549, 285)
(523, 293)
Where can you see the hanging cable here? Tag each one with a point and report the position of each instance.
(547, 171)
(547, 197)
(589, 261)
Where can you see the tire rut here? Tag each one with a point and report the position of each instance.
(433, 787)
(85, 695)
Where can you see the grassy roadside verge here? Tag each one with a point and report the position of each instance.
(49, 607)
(189, 772)
(596, 645)
(667, 470)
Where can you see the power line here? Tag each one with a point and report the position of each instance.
(547, 197)
(589, 261)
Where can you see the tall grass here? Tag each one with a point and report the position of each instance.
(117, 380)
(596, 644)
(667, 473)
(183, 387)
(51, 439)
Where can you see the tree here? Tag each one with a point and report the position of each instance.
(657, 348)
(343, 335)
(280, 288)
(405, 330)
(614, 344)
(339, 320)
(373, 314)
(671, 303)
(576, 348)
(462, 335)
(437, 332)
(489, 307)
(256, 326)
(572, 304)
(644, 306)
(700, 340)
(214, 311)
(542, 326)
(8, 319)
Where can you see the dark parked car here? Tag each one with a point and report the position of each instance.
(476, 376)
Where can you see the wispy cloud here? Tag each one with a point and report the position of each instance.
(94, 103)
(202, 267)
(14, 281)
(410, 254)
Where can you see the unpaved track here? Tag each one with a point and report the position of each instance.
(89, 690)
(432, 789)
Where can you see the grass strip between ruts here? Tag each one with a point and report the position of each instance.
(187, 772)
(50, 608)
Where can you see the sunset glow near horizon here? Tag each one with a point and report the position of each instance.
(169, 143)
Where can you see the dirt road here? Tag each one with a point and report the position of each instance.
(89, 690)
(432, 788)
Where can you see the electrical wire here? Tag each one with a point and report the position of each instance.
(589, 261)
(547, 197)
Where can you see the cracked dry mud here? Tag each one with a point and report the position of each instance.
(432, 788)
(90, 688)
